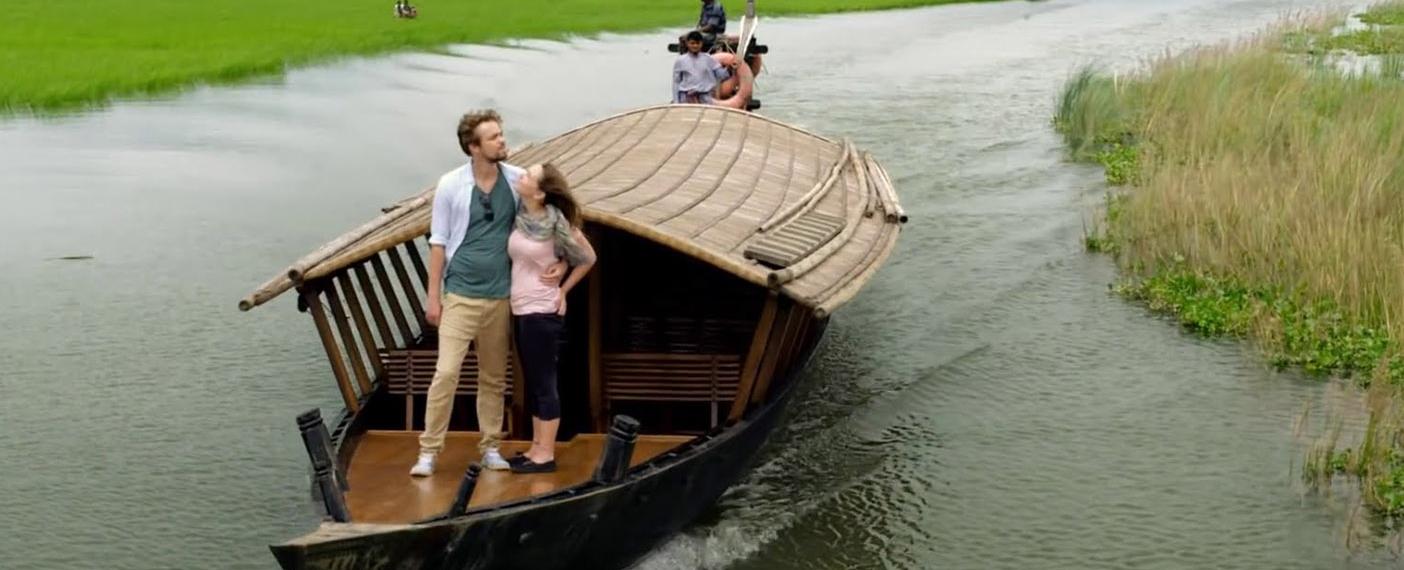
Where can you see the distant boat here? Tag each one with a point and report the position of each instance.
(725, 241)
(737, 92)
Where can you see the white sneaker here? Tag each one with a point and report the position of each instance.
(492, 459)
(424, 467)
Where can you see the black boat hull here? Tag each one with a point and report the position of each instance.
(593, 526)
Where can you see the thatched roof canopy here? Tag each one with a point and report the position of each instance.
(768, 202)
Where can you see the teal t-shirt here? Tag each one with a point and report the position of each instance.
(480, 267)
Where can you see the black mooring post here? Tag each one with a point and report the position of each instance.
(318, 448)
(465, 490)
(332, 495)
(619, 449)
(318, 443)
(315, 415)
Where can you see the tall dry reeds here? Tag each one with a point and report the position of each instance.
(1255, 167)
(1267, 200)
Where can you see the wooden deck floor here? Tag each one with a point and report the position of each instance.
(382, 490)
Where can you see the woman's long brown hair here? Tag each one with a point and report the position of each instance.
(553, 183)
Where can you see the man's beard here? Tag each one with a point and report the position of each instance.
(494, 159)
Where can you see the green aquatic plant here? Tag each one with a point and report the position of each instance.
(1385, 14)
(1385, 34)
(1315, 336)
(1321, 339)
(1338, 461)
(1369, 42)
(1120, 161)
(1203, 303)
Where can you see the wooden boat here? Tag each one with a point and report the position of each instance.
(725, 241)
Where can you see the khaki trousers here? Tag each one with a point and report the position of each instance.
(463, 320)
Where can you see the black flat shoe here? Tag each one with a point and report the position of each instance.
(517, 459)
(529, 466)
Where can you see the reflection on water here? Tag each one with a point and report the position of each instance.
(985, 403)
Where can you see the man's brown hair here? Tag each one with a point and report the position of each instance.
(468, 127)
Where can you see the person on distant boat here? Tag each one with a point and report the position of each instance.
(547, 229)
(469, 285)
(696, 74)
(711, 24)
(712, 21)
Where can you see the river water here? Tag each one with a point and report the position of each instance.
(986, 402)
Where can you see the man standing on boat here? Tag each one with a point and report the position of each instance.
(696, 74)
(469, 285)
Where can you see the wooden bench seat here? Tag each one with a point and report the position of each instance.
(706, 335)
(665, 377)
(409, 373)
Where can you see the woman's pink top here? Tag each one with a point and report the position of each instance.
(530, 258)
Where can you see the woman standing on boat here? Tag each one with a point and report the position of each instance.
(547, 228)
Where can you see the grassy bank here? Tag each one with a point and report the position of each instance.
(1384, 32)
(1262, 196)
(66, 53)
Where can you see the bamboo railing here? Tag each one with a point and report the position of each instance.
(346, 303)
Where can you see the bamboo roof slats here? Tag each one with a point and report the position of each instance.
(732, 195)
(672, 179)
(768, 202)
(732, 233)
(795, 240)
(655, 166)
(703, 202)
(854, 266)
(820, 188)
(692, 191)
(845, 291)
(667, 136)
(608, 156)
(573, 147)
(817, 256)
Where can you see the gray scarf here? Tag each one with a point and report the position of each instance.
(555, 227)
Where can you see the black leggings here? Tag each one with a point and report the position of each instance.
(538, 345)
